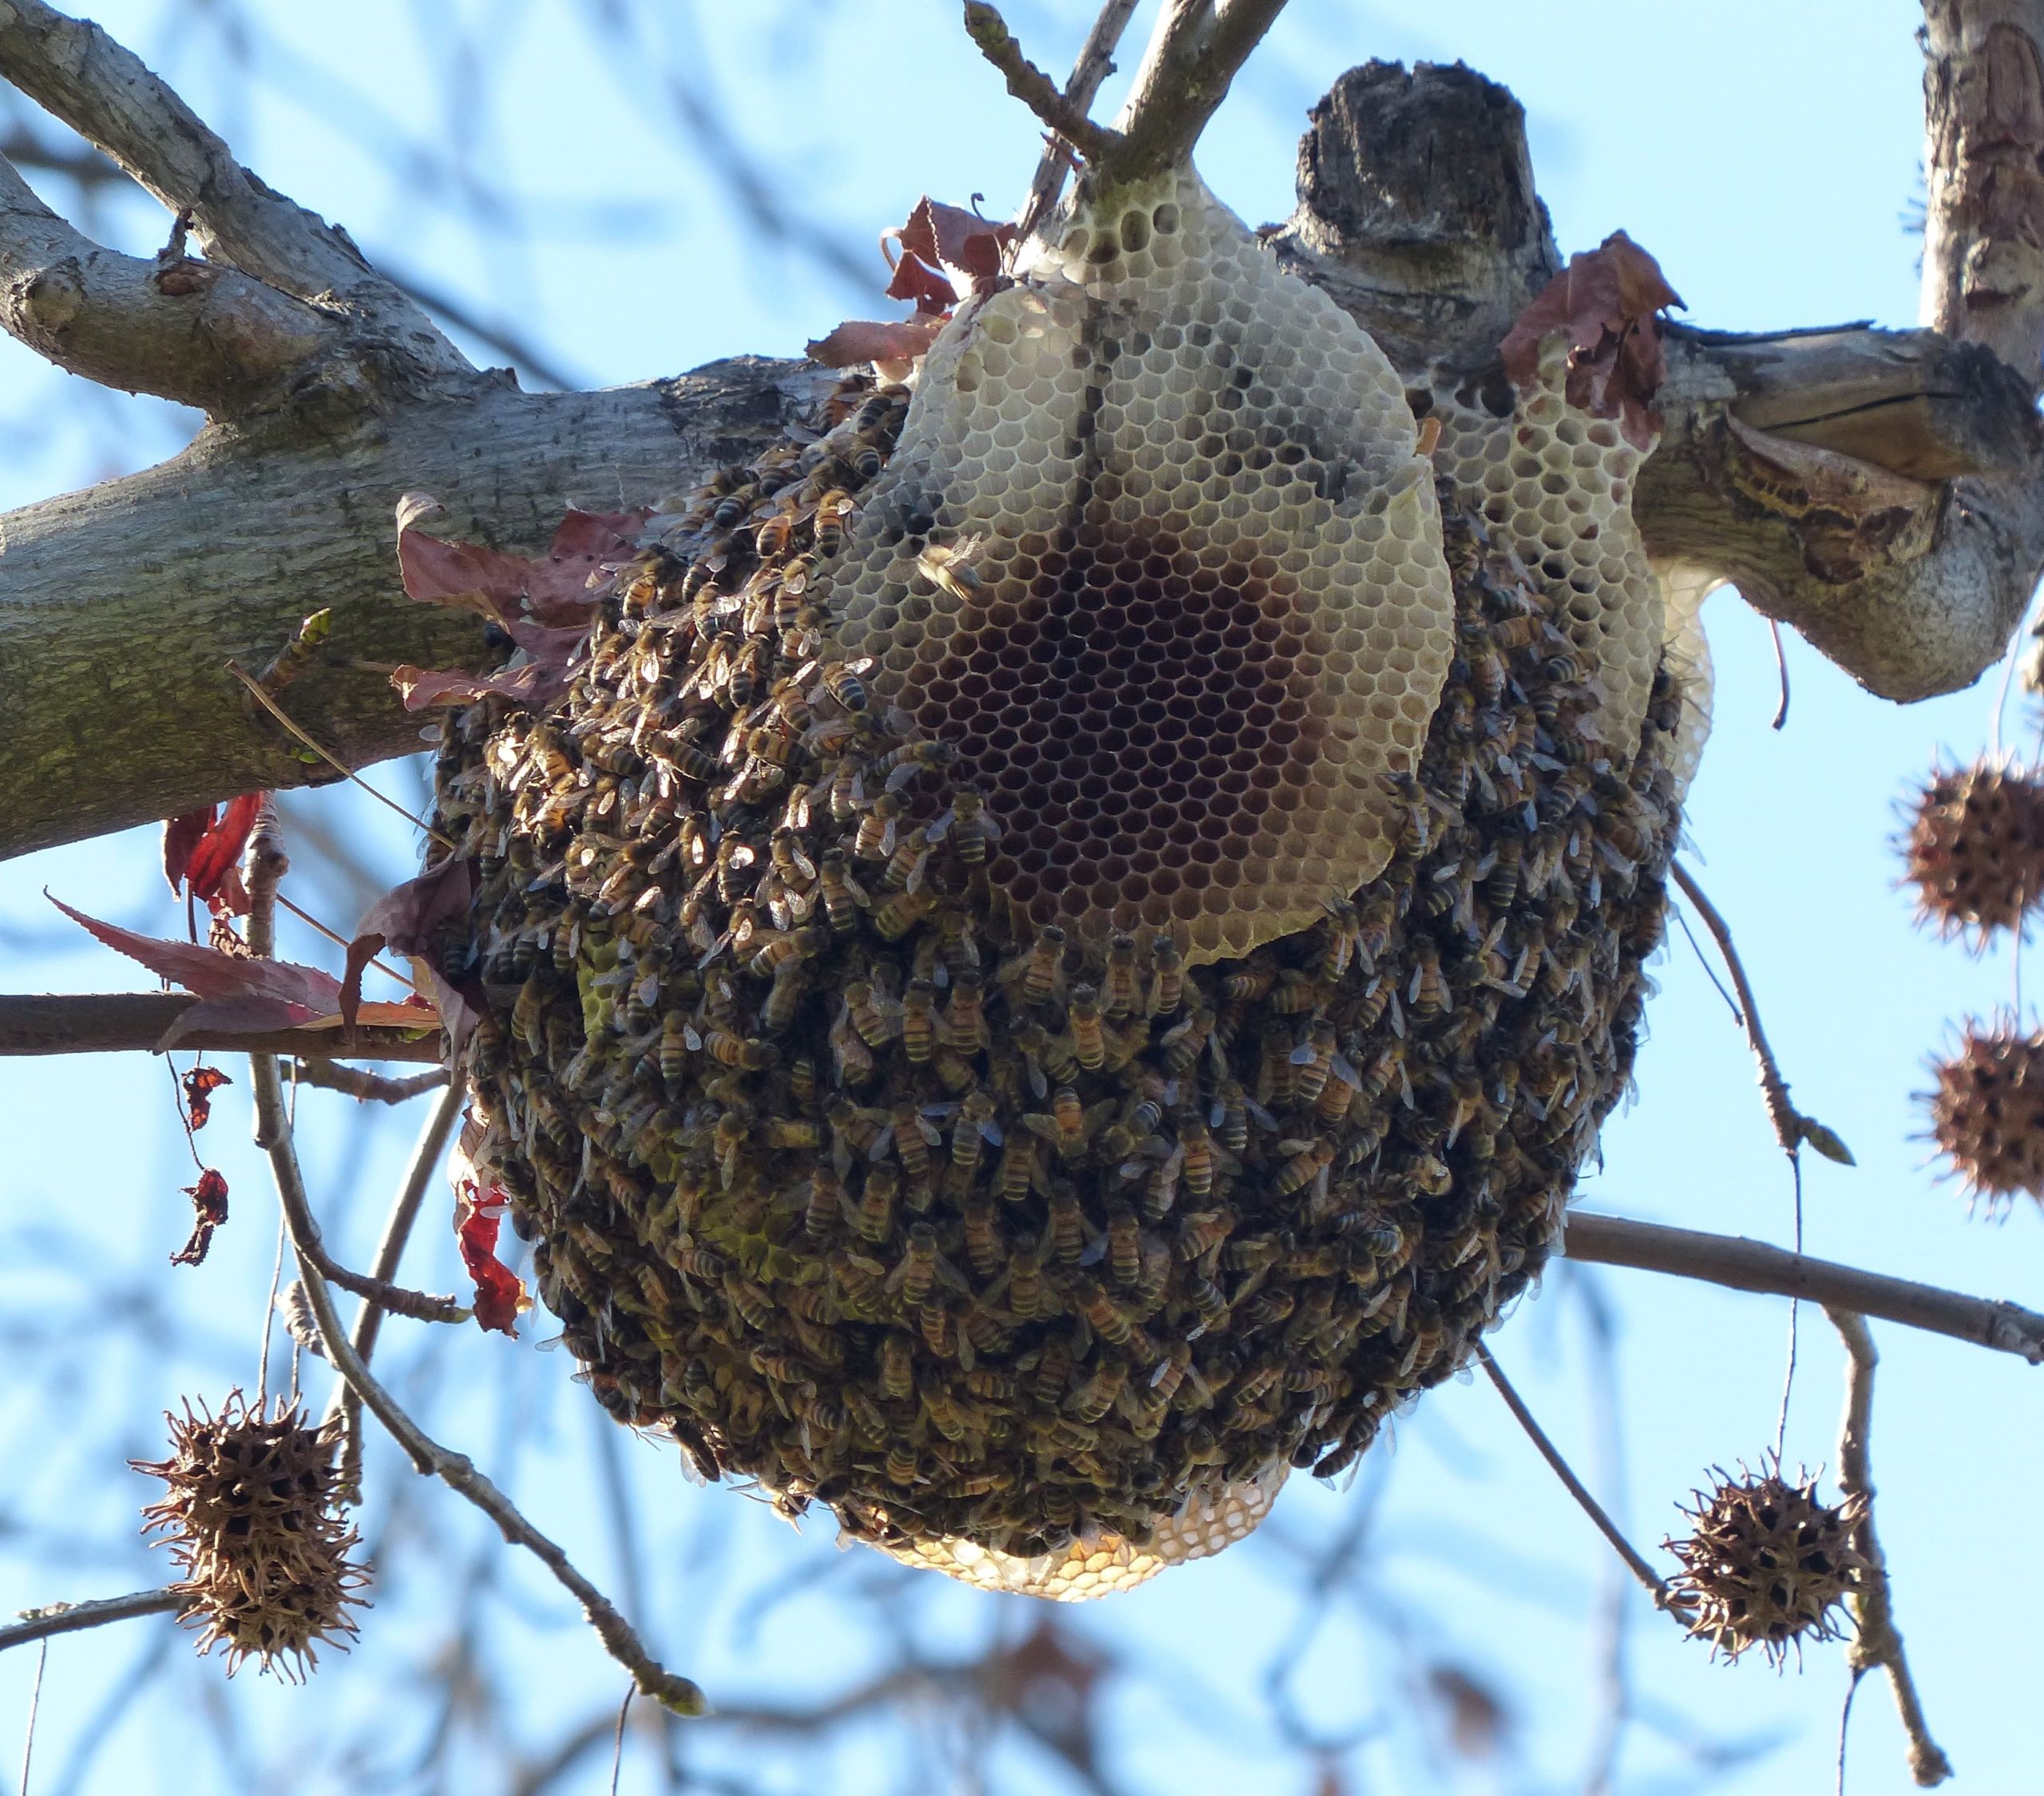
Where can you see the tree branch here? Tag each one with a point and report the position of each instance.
(195, 332)
(988, 31)
(1878, 1642)
(136, 1022)
(1096, 62)
(1741, 1264)
(68, 1618)
(238, 540)
(77, 73)
(367, 1087)
(1194, 52)
(1983, 168)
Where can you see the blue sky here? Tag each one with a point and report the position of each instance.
(1768, 156)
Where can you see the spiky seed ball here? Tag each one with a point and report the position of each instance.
(251, 1523)
(1974, 850)
(1768, 1564)
(1988, 1112)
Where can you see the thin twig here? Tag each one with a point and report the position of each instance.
(256, 691)
(1780, 718)
(273, 1134)
(1741, 1264)
(1095, 63)
(1878, 1642)
(68, 1618)
(1650, 1580)
(988, 31)
(35, 1707)
(1791, 1127)
(135, 1021)
(389, 1252)
(370, 1087)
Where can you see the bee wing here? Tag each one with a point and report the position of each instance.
(692, 1038)
(1305, 1054)
(903, 774)
(1045, 1126)
(1296, 1144)
(990, 1132)
(1258, 1114)
(940, 1110)
(938, 830)
(1096, 1251)
(1339, 1066)
(930, 1132)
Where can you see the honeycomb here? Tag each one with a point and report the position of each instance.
(1035, 1254)
(1554, 487)
(1156, 560)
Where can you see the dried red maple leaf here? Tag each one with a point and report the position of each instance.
(866, 340)
(1608, 301)
(499, 1292)
(200, 1084)
(237, 993)
(552, 588)
(405, 921)
(209, 1202)
(202, 852)
(969, 249)
(915, 279)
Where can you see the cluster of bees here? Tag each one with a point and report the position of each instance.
(867, 1185)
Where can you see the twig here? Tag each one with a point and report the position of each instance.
(1878, 1642)
(68, 1618)
(1094, 63)
(273, 1134)
(134, 1022)
(370, 1087)
(1780, 720)
(256, 691)
(988, 31)
(389, 1252)
(35, 1708)
(1791, 1127)
(1650, 1580)
(1194, 54)
(1741, 1264)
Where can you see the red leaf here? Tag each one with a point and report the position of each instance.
(499, 1292)
(213, 857)
(915, 279)
(502, 587)
(209, 1202)
(200, 1084)
(866, 341)
(967, 248)
(407, 921)
(1607, 300)
(530, 684)
(281, 992)
(180, 836)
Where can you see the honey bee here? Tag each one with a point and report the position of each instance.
(904, 871)
(1018, 1168)
(1069, 1127)
(1167, 977)
(903, 1461)
(950, 567)
(1184, 1042)
(975, 1126)
(892, 917)
(897, 1366)
(791, 1135)
(914, 1136)
(1028, 1295)
(528, 1015)
(754, 1307)
(1064, 1236)
(1083, 1019)
(971, 829)
(982, 1243)
(919, 1022)
(874, 839)
(749, 1053)
(876, 1019)
(840, 681)
(965, 1019)
(914, 1278)
(1426, 994)
(1039, 973)
(1196, 1140)
(1200, 1231)
(873, 1218)
(1096, 1396)
(1313, 1061)
(1106, 1318)
(1160, 1190)
(851, 1060)
(1124, 1244)
(940, 1330)
(1229, 1114)
(991, 1386)
(1053, 1373)
(832, 511)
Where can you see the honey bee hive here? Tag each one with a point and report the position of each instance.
(897, 1120)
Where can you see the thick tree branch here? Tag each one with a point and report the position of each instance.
(120, 605)
(1194, 52)
(1741, 1264)
(197, 332)
(135, 1021)
(75, 72)
(1983, 165)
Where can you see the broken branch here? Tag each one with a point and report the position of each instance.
(988, 31)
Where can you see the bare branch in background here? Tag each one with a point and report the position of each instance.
(1741, 1264)
(68, 1618)
(1878, 1642)
(77, 73)
(369, 1087)
(136, 1022)
(987, 30)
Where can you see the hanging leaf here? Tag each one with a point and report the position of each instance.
(500, 1294)
(209, 1205)
(200, 1084)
